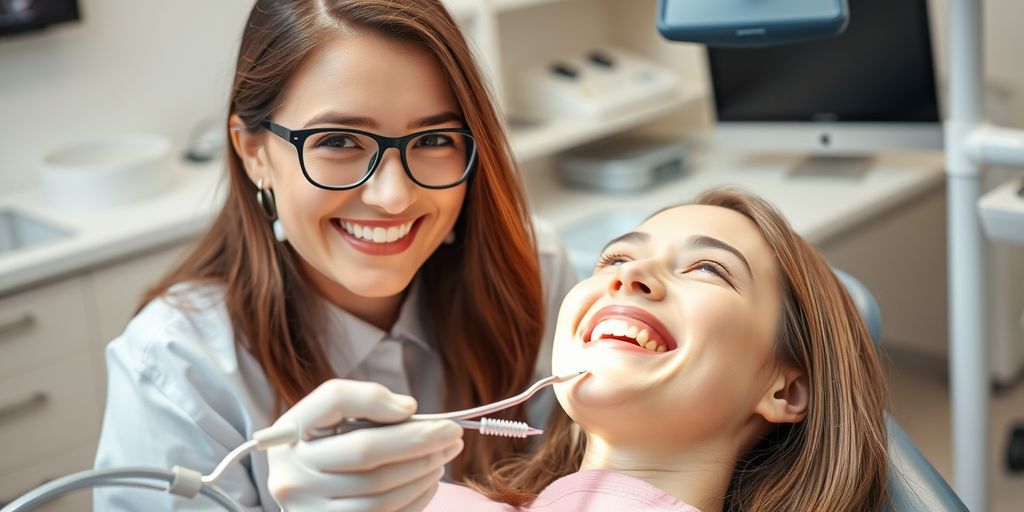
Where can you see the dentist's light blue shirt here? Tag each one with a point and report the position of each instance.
(180, 392)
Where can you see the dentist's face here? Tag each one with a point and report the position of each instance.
(368, 82)
(677, 328)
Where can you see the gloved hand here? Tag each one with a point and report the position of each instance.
(391, 468)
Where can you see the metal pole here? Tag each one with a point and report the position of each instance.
(968, 354)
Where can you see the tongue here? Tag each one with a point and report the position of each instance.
(622, 339)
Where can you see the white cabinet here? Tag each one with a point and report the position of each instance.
(52, 373)
(42, 323)
(115, 290)
(511, 35)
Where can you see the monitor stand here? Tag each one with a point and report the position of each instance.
(822, 166)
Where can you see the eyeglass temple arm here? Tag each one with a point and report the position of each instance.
(277, 129)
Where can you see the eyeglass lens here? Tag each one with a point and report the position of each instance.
(341, 158)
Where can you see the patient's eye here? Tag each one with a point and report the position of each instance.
(611, 260)
(712, 268)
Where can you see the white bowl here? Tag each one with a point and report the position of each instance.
(107, 172)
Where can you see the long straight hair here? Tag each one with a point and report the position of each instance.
(483, 291)
(836, 459)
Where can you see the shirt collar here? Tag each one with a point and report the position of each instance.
(350, 339)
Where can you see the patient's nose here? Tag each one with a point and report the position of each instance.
(634, 278)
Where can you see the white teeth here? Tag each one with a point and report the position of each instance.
(377, 235)
(643, 336)
(621, 328)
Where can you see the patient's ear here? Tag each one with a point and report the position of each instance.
(249, 148)
(786, 399)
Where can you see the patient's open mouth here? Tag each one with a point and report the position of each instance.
(631, 325)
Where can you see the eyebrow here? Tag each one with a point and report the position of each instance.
(714, 243)
(368, 123)
(631, 237)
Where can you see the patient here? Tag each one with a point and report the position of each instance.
(729, 370)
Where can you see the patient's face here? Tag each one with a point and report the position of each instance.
(677, 327)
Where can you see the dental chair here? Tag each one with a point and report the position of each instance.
(914, 485)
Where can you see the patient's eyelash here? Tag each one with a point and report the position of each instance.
(713, 267)
(611, 259)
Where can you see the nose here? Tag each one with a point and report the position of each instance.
(635, 278)
(389, 188)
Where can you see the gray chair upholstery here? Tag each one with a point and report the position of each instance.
(914, 485)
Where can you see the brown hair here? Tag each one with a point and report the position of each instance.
(836, 458)
(486, 286)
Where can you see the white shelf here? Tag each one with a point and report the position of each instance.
(530, 143)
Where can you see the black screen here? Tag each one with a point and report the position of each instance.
(879, 70)
(24, 15)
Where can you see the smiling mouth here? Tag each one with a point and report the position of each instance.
(376, 234)
(630, 325)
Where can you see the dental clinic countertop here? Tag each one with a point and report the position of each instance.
(103, 236)
(818, 206)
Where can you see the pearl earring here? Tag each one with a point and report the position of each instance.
(279, 232)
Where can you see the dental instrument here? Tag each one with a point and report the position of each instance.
(189, 483)
(485, 425)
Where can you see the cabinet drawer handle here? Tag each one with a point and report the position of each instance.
(20, 407)
(19, 323)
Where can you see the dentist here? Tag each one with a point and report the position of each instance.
(374, 257)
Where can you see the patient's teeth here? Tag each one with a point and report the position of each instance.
(661, 348)
(642, 337)
(631, 332)
(392, 234)
(651, 345)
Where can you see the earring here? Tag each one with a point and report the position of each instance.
(265, 198)
(279, 232)
(450, 237)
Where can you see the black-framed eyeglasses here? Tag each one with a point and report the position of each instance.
(343, 159)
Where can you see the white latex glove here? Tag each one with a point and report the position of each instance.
(392, 468)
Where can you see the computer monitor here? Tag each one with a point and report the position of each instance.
(872, 88)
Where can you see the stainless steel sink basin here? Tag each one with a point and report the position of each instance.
(19, 231)
(584, 239)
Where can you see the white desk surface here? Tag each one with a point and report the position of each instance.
(102, 236)
(817, 206)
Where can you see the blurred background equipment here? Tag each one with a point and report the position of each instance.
(28, 15)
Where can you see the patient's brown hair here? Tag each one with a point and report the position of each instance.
(834, 460)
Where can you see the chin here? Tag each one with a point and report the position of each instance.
(376, 284)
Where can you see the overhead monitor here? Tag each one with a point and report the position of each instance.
(869, 89)
(28, 15)
(750, 22)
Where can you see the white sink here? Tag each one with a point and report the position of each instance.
(107, 172)
(19, 231)
(584, 239)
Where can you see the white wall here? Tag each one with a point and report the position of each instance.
(129, 65)
(161, 66)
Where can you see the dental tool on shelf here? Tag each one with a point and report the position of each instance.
(486, 426)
